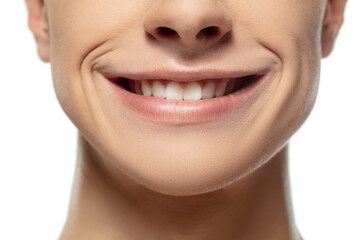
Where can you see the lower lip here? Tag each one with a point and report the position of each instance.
(180, 112)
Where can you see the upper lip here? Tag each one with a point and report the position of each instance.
(179, 75)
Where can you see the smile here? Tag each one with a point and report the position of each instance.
(185, 100)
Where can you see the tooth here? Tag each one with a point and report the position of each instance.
(158, 89)
(138, 88)
(174, 91)
(208, 91)
(220, 90)
(230, 87)
(192, 91)
(146, 88)
(132, 85)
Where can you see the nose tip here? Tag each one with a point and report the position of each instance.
(188, 22)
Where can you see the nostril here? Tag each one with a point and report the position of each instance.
(166, 32)
(208, 32)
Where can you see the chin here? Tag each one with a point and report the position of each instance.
(185, 168)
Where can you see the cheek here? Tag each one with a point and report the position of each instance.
(291, 30)
(76, 29)
(281, 25)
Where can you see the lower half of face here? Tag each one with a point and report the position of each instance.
(186, 96)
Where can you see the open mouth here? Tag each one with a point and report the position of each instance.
(179, 100)
(188, 91)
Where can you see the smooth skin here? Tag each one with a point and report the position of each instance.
(226, 179)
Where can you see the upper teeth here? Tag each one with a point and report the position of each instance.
(183, 91)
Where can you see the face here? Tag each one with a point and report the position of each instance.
(192, 146)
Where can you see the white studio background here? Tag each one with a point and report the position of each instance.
(38, 142)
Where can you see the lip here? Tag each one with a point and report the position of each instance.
(181, 112)
(180, 75)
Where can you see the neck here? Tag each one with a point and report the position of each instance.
(103, 207)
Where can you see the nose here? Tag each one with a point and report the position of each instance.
(191, 23)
